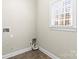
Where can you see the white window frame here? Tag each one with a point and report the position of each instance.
(64, 28)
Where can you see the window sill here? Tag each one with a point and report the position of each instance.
(68, 29)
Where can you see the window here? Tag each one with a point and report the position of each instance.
(63, 15)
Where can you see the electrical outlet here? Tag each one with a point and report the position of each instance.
(11, 36)
(69, 54)
(73, 52)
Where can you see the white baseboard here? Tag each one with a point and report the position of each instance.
(15, 53)
(51, 55)
(28, 49)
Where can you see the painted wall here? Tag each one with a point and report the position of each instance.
(61, 43)
(19, 16)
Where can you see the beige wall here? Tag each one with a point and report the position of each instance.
(19, 16)
(61, 43)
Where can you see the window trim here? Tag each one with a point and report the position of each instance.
(61, 28)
